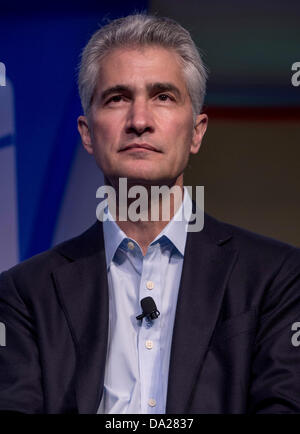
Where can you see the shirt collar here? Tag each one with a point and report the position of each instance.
(175, 231)
(113, 237)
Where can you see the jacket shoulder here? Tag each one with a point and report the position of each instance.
(250, 244)
(37, 270)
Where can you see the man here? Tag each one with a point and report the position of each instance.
(229, 300)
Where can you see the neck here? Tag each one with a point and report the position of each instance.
(146, 217)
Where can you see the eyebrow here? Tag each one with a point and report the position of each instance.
(152, 87)
(164, 87)
(115, 89)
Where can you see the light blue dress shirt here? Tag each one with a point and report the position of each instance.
(138, 354)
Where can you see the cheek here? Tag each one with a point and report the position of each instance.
(183, 135)
(105, 135)
(101, 131)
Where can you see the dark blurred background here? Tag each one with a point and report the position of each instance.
(249, 160)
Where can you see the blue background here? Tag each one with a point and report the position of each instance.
(40, 46)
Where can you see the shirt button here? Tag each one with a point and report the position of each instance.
(150, 284)
(152, 402)
(130, 245)
(149, 345)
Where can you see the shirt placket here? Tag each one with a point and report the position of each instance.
(149, 334)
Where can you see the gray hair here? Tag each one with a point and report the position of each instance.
(142, 30)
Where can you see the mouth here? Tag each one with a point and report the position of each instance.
(140, 147)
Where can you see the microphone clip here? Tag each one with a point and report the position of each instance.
(153, 315)
(149, 309)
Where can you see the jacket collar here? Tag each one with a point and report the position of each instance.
(208, 261)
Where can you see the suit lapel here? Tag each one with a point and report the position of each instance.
(83, 291)
(206, 268)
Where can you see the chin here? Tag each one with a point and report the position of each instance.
(142, 179)
(148, 180)
(140, 174)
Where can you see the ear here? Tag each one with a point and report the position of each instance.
(198, 133)
(84, 131)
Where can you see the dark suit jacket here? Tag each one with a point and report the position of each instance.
(231, 350)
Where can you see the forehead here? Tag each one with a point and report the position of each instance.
(139, 66)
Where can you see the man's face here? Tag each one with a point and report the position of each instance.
(140, 124)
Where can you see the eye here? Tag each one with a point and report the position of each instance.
(115, 99)
(165, 97)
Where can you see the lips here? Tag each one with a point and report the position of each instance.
(141, 146)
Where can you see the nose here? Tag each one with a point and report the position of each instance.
(139, 119)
